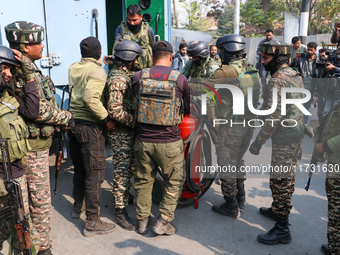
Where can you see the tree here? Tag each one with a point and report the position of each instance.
(194, 12)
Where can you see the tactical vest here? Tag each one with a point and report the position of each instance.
(46, 90)
(13, 126)
(142, 38)
(128, 103)
(284, 135)
(203, 71)
(332, 124)
(247, 78)
(157, 101)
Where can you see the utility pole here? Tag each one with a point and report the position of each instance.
(237, 17)
(304, 21)
(175, 14)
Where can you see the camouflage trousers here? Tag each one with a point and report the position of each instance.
(6, 225)
(282, 176)
(333, 196)
(122, 146)
(38, 183)
(232, 145)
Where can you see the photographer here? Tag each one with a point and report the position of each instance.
(298, 50)
(331, 90)
(336, 34)
(322, 73)
(307, 68)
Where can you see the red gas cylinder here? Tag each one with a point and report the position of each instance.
(188, 125)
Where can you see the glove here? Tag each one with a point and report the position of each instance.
(26, 69)
(255, 148)
(71, 123)
(318, 154)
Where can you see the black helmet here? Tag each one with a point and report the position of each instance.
(232, 43)
(198, 48)
(127, 50)
(7, 56)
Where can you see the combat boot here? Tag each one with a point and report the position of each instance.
(229, 208)
(268, 212)
(325, 249)
(162, 227)
(143, 225)
(98, 227)
(278, 234)
(241, 196)
(123, 220)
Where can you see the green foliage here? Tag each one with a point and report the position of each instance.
(323, 14)
(225, 23)
(195, 20)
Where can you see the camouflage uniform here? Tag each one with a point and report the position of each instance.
(6, 225)
(330, 138)
(191, 70)
(41, 131)
(120, 109)
(233, 141)
(286, 141)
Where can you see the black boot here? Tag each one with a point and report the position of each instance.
(229, 208)
(241, 196)
(325, 249)
(123, 220)
(268, 212)
(278, 234)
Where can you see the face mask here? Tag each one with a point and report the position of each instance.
(270, 65)
(134, 28)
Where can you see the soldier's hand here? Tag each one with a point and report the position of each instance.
(25, 68)
(255, 148)
(107, 60)
(110, 125)
(319, 152)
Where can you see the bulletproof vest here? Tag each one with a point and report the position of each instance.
(283, 134)
(332, 124)
(203, 71)
(247, 78)
(157, 101)
(46, 90)
(143, 39)
(13, 126)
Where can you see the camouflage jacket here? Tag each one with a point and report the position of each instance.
(191, 70)
(49, 112)
(284, 77)
(119, 95)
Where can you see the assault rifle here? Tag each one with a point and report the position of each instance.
(15, 206)
(62, 150)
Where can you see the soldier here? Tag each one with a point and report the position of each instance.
(87, 142)
(28, 108)
(201, 66)
(286, 140)
(139, 31)
(27, 37)
(330, 144)
(120, 109)
(233, 140)
(160, 92)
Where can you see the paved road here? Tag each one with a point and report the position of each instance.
(199, 231)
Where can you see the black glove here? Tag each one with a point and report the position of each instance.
(71, 123)
(255, 148)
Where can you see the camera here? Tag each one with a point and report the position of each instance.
(303, 55)
(321, 65)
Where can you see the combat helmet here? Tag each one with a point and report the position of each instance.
(7, 56)
(276, 48)
(232, 43)
(198, 48)
(127, 50)
(24, 32)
